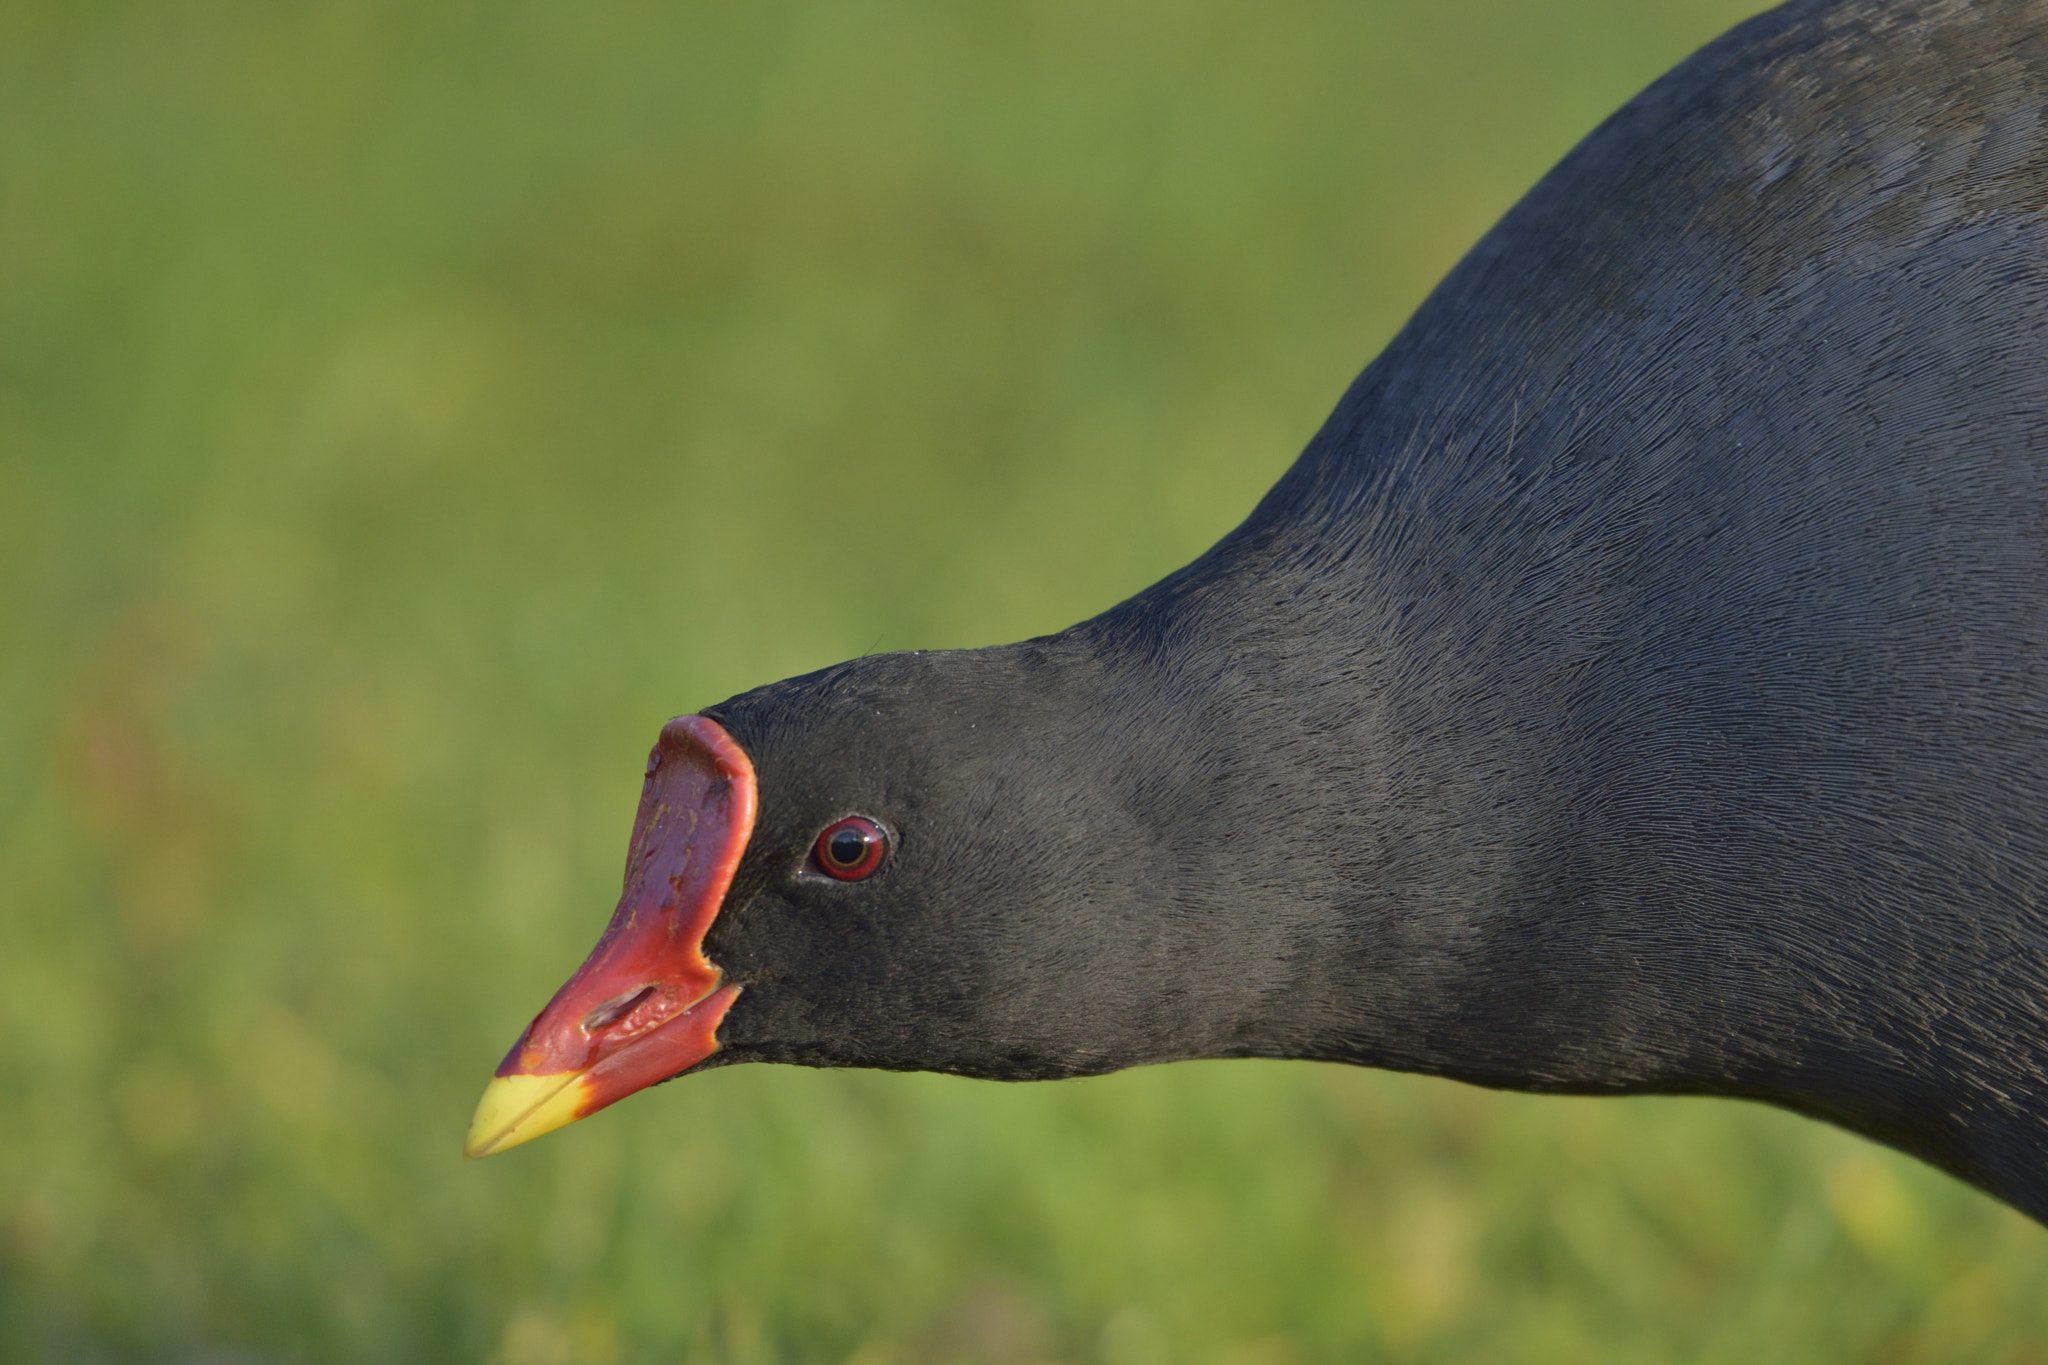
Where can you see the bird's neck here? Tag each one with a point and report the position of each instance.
(1450, 870)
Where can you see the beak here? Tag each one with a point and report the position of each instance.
(646, 1005)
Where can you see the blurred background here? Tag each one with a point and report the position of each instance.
(405, 408)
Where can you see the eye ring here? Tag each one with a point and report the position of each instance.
(850, 849)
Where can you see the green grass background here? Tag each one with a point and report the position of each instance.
(404, 408)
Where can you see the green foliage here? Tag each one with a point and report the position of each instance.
(405, 408)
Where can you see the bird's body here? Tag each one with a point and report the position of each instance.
(1640, 683)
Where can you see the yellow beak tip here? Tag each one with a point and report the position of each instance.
(519, 1108)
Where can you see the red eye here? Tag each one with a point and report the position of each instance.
(851, 849)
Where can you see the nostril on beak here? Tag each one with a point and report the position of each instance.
(615, 1009)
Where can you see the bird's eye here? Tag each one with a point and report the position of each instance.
(851, 848)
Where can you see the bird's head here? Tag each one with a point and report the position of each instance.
(874, 866)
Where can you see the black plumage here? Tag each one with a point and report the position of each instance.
(1640, 684)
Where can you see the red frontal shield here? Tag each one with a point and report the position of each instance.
(647, 1003)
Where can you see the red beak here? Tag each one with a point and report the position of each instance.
(647, 1003)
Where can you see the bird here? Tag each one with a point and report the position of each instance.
(1639, 684)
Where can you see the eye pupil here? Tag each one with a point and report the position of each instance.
(851, 848)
